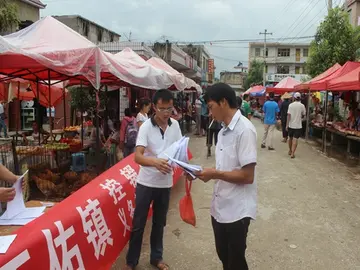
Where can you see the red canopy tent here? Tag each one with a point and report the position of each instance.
(57, 92)
(323, 83)
(306, 85)
(254, 89)
(285, 85)
(347, 82)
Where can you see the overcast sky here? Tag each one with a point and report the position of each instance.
(201, 20)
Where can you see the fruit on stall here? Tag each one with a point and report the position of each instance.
(29, 150)
(56, 146)
(72, 128)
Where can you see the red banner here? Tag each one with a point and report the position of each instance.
(211, 66)
(87, 230)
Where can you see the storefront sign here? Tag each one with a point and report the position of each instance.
(279, 77)
(87, 230)
(211, 66)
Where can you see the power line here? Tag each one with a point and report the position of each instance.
(302, 30)
(298, 19)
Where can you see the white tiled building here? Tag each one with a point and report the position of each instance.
(282, 59)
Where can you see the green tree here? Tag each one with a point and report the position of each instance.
(255, 75)
(336, 41)
(83, 99)
(8, 16)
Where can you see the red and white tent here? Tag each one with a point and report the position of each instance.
(180, 81)
(285, 85)
(49, 50)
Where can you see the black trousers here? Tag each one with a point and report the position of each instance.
(144, 196)
(230, 241)
(283, 126)
(213, 133)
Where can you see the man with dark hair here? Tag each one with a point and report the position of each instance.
(246, 106)
(296, 113)
(270, 109)
(235, 195)
(154, 181)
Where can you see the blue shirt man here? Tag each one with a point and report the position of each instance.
(271, 109)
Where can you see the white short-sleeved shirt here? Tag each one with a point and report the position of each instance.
(1, 108)
(235, 149)
(141, 118)
(155, 142)
(297, 111)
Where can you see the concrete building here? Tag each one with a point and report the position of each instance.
(202, 56)
(282, 59)
(235, 78)
(352, 7)
(89, 29)
(179, 60)
(140, 48)
(28, 13)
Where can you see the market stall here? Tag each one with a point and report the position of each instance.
(337, 79)
(286, 85)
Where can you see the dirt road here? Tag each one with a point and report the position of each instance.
(308, 215)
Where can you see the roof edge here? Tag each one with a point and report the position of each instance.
(37, 4)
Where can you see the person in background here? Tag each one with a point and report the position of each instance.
(154, 180)
(142, 116)
(283, 115)
(213, 133)
(7, 194)
(198, 116)
(93, 135)
(239, 103)
(204, 116)
(296, 113)
(271, 109)
(2, 118)
(128, 133)
(246, 106)
(235, 196)
(35, 133)
(112, 144)
(188, 114)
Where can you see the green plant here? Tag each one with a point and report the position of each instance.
(84, 99)
(8, 16)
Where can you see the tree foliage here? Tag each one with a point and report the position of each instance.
(8, 16)
(84, 99)
(255, 75)
(336, 41)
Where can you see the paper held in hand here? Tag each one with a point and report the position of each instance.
(189, 168)
(16, 213)
(178, 150)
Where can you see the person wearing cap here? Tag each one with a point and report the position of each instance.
(296, 113)
(271, 109)
(283, 115)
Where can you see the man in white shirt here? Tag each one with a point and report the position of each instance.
(155, 179)
(235, 194)
(296, 113)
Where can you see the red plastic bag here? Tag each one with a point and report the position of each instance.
(186, 207)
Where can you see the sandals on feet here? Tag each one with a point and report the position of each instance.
(161, 265)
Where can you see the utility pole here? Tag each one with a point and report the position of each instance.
(264, 73)
(330, 4)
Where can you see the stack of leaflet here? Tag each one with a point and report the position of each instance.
(177, 154)
(178, 150)
(16, 213)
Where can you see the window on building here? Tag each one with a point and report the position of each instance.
(266, 69)
(297, 70)
(283, 52)
(305, 52)
(257, 52)
(283, 69)
(204, 63)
